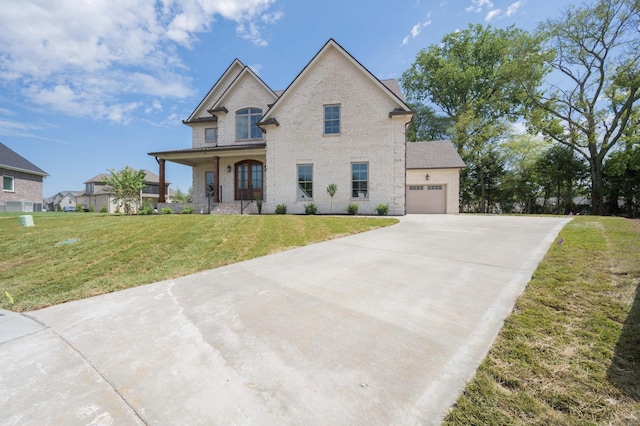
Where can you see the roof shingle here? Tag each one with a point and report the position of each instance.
(11, 160)
(433, 155)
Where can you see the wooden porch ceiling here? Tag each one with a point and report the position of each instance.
(197, 156)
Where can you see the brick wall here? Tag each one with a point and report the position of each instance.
(367, 134)
(26, 187)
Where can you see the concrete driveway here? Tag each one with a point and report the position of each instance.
(382, 327)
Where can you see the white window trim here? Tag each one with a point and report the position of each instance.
(13, 184)
(324, 120)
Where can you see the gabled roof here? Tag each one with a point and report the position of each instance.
(332, 44)
(246, 72)
(10, 160)
(433, 155)
(222, 84)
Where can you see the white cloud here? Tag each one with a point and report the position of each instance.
(477, 6)
(415, 30)
(89, 58)
(492, 14)
(513, 7)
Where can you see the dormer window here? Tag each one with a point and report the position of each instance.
(246, 127)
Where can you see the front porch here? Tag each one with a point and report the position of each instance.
(221, 174)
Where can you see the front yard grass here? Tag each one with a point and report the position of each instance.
(70, 256)
(569, 354)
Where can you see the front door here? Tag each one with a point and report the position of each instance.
(249, 180)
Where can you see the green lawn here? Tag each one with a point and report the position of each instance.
(69, 256)
(569, 354)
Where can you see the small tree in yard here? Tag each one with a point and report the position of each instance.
(126, 185)
(331, 190)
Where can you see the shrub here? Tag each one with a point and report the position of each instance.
(281, 209)
(104, 209)
(259, 204)
(79, 208)
(382, 209)
(59, 208)
(147, 208)
(310, 209)
(92, 209)
(167, 210)
(352, 208)
(187, 210)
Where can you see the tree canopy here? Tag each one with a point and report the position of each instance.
(476, 77)
(588, 106)
(127, 185)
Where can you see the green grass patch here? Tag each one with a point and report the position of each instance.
(70, 256)
(569, 354)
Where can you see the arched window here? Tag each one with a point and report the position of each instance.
(246, 120)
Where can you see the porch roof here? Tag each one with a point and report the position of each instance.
(195, 156)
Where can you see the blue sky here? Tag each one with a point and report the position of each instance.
(90, 86)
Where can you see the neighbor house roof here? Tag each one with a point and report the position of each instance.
(11, 160)
(433, 155)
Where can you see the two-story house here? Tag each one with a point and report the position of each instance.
(97, 197)
(336, 123)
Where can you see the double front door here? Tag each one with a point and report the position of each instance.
(249, 180)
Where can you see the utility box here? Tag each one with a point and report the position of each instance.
(26, 220)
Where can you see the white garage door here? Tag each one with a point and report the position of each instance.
(426, 198)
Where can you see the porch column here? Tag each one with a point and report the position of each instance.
(161, 190)
(216, 178)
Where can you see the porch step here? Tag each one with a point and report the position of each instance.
(233, 208)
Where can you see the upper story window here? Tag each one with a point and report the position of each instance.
(332, 119)
(211, 135)
(246, 127)
(89, 188)
(7, 183)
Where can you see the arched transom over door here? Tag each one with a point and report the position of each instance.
(249, 180)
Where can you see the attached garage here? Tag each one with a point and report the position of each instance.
(433, 177)
(427, 199)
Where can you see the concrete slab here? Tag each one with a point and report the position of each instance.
(382, 327)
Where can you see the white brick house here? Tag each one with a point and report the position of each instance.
(336, 123)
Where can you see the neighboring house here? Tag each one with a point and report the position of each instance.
(67, 200)
(433, 177)
(21, 182)
(96, 195)
(336, 123)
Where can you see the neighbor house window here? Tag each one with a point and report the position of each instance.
(211, 135)
(305, 181)
(331, 119)
(89, 188)
(7, 183)
(246, 127)
(360, 180)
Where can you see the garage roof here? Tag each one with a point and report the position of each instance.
(433, 155)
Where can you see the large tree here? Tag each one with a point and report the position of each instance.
(127, 185)
(476, 77)
(427, 125)
(587, 102)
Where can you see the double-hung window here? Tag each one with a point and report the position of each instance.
(211, 135)
(305, 181)
(246, 127)
(332, 119)
(360, 180)
(7, 183)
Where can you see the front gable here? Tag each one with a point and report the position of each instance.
(338, 78)
(223, 83)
